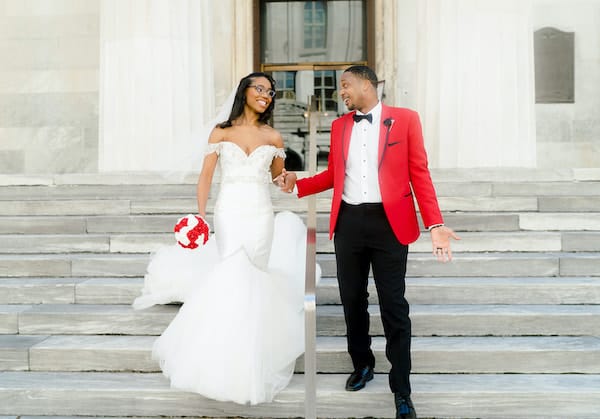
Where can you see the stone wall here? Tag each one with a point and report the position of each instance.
(568, 134)
(49, 55)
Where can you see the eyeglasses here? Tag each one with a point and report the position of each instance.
(262, 89)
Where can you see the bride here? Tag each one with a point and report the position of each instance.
(241, 327)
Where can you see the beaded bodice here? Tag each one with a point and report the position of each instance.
(237, 166)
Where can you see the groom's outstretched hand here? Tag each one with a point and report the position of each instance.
(286, 181)
(440, 240)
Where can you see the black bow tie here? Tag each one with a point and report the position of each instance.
(358, 118)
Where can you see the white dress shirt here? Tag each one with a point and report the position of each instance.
(361, 184)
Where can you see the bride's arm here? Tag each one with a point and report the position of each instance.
(206, 174)
(278, 162)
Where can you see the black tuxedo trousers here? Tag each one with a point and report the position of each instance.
(364, 239)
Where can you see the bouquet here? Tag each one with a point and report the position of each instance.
(189, 229)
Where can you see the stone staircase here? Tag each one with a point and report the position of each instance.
(509, 329)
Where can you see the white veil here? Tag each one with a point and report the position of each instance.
(194, 158)
(201, 143)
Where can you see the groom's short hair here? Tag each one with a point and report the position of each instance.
(364, 72)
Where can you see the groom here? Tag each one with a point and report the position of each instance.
(377, 161)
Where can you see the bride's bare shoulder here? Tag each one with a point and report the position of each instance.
(217, 135)
(274, 136)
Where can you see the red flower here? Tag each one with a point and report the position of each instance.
(189, 229)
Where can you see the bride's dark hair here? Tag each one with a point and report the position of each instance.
(240, 99)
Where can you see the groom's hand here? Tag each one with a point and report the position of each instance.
(440, 240)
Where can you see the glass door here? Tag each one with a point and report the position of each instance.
(306, 45)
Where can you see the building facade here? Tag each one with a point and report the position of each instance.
(129, 85)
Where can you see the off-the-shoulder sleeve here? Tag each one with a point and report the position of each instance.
(213, 148)
(280, 152)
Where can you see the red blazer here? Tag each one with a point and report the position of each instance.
(403, 172)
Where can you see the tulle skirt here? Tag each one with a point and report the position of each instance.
(241, 327)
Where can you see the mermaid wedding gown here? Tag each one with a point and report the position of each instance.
(241, 327)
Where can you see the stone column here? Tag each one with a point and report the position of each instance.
(472, 80)
(156, 83)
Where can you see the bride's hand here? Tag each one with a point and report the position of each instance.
(280, 180)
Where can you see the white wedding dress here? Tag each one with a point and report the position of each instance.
(241, 327)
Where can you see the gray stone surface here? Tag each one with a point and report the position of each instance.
(581, 241)
(463, 188)
(94, 353)
(429, 354)
(110, 265)
(34, 265)
(585, 265)
(560, 221)
(419, 264)
(508, 203)
(67, 207)
(479, 320)
(58, 109)
(131, 224)
(42, 225)
(470, 265)
(12, 161)
(190, 205)
(428, 320)
(121, 191)
(485, 290)
(487, 241)
(481, 221)
(53, 243)
(37, 291)
(95, 319)
(108, 290)
(546, 189)
(569, 203)
(473, 355)
(9, 318)
(450, 395)
(495, 174)
(586, 174)
(477, 265)
(14, 351)
(139, 243)
(505, 330)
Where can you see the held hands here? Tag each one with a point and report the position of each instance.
(440, 239)
(286, 181)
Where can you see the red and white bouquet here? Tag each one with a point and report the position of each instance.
(189, 229)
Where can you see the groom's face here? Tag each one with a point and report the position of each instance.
(352, 90)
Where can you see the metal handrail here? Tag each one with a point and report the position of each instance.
(310, 307)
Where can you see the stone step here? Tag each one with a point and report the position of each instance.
(449, 290)
(484, 290)
(281, 202)
(150, 242)
(479, 320)
(447, 355)
(419, 265)
(568, 189)
(560, 221)
(427, 320)
(154, 223)
(439, 175)
(448, 395)
(124, 224)
(462, 186)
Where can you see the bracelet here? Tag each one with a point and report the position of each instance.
(435, 226)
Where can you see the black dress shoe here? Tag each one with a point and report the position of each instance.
(359, 378)
(404, 407)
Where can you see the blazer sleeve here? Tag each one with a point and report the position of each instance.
(321, 181)
(420, 177)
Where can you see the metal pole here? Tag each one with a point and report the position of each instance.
(310, 325)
